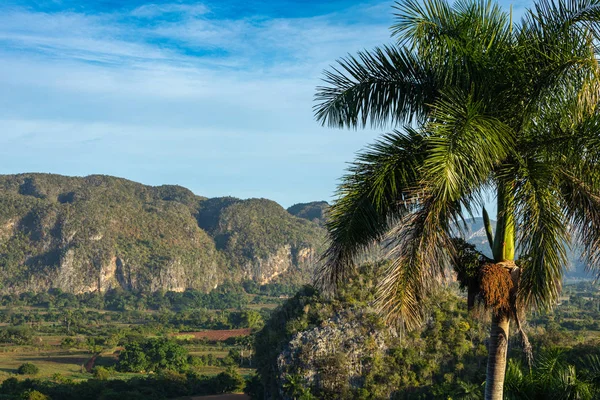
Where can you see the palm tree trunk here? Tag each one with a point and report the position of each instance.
(497, 349)
(503, 249)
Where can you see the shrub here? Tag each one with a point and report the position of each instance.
(28, 369)
(254, 387)
(68, 342)
(34, 395)
(229, 381)
(101, 373)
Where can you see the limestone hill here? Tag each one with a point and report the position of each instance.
(99, 232)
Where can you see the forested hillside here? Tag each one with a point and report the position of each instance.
(99, 232)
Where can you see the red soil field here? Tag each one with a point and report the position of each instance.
(217, 335)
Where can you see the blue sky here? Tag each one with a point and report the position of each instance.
(215, 96)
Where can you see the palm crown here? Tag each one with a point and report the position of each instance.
(478, 105)
(484, 105)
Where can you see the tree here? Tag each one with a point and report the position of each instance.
(101, 373)
(229, 381)
(479, 105)
(28, 369)
(34, 395)
(553, 378)
(154, 354)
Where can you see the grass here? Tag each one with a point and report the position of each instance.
(64, 362)
(218, 353)
(53, 360)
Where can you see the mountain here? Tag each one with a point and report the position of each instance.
(94, 233)
(474, 233)
(260, 238)
(315, 211)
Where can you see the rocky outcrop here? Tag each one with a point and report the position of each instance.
(265, 270)
(283, 260)
(263, 238)
(334, 357)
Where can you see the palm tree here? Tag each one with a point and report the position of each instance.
(552, 378)
(478, 105)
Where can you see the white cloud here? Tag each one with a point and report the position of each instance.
(155, 10)
(248, 43)
(221, 106)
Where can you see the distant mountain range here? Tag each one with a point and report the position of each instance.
(94, 233)
(475, 234)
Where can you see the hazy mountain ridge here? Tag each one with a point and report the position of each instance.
(475, 234)
(99, 232)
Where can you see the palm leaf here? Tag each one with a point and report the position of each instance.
(543, 232)
(388, 85)
(372, 195)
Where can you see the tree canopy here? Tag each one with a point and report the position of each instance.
(479, 104)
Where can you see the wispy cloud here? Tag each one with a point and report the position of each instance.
(179, 93)
(189, 37)
(159, 10)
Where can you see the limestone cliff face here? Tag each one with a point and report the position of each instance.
(335, 356)
(98, 233)
(263, 238)
(265, 270)
(285, 259)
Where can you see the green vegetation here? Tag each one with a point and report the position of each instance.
(315, 211)
(478, 104)
(554, 377)
(165, 385)
(101, 373)
(152, 355)
(259, 229)
(150, 346)
(100, 233)
(309, 345)
(28, 369)
(83, 351)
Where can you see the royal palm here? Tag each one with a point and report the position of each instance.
(479, 106)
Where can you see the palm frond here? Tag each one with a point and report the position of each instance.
(516, 383)
(372, 195)
(421, 23)
(388, 85)
(436, 26)
(421, 252)
(465, 146)
(557, 46)
(554, 17)
(575, 152)
(581, 195)
(543, 232)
